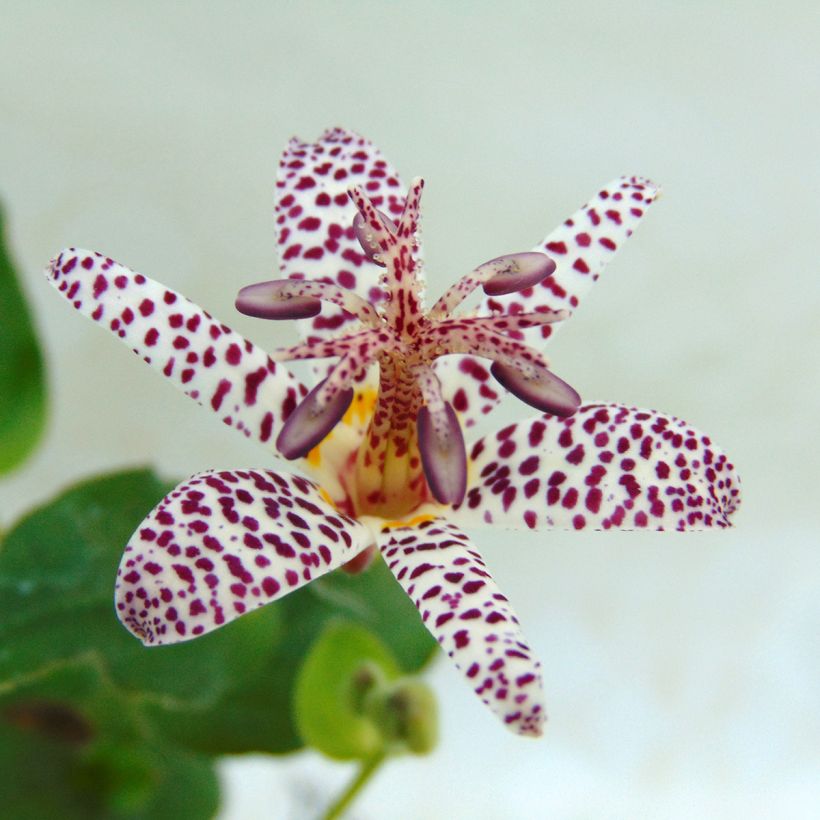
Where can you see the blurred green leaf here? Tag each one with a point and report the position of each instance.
(151, 782)
(376, 599)
(37, 779)
(343, 664)
(57, 571)
(72, 745)
(22, 382)
(44, 778)
(226, 692)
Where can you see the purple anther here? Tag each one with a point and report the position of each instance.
(265, 300)
(545, 391)
(516, 272)
(308, 424)
(443, 455)
(364, 233)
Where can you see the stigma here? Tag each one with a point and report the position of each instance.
(412, 451)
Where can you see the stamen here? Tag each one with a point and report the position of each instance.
(429, 386)
(264, 300)
(312, 420)
(468, 336)
(515, 272)
(367, 343)
(443, 454)
(301, 299)
(502, 323)
(350, 368)
(544, 390)
(504, 274)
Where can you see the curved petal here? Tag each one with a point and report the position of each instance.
(314, 217)
(202, 357)
(607, 466)
(581, 248)
(224, 543)
(460, 604)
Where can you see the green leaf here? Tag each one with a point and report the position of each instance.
(150, 782)
(37, 779)
(74, 542)
(43, 777)
(376, 599)
(57, 571)
(344, 662)
(73, 745)
(22, 381)
(226, 692)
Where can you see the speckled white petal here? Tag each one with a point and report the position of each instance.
(467, 384)
(607, 466)
(438, 567)
(314, 217)
(581, 247)
(224, 543)
(199, 355)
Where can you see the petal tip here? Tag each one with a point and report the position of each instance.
(64, 262)
(530, 723)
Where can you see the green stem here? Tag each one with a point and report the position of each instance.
(367, 771)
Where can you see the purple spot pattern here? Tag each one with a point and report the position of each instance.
(439, 568)
(224, 543)
(581, 247)
(605, 467)
(204, 358)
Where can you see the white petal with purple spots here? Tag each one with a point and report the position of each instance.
(199, 355)
(607, 466)
(460, 604)
(224, 543)
(314, 217)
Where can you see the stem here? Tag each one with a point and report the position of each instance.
(367, 771)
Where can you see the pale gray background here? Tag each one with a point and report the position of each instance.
(682, 672)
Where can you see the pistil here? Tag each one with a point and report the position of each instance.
(390, 481)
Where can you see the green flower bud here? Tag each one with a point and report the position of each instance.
(364, 681)
(406, 714)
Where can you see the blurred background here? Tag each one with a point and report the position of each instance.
(681, 672)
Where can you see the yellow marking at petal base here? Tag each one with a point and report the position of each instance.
(411, 522)
(314, 457)
(362, 406)
(326, 496)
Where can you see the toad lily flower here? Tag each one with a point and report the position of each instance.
(381, 432)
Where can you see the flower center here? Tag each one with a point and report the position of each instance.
(412, 450)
